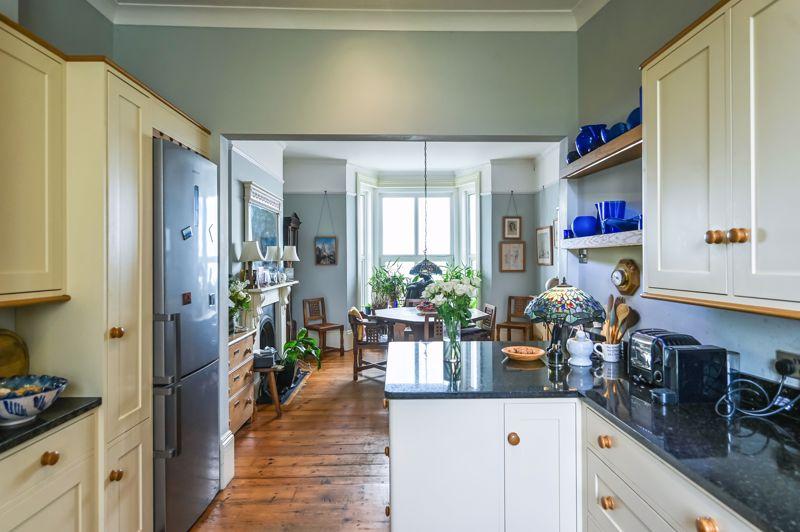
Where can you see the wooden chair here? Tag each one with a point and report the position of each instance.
(516, 311)
(315, 319)
(408, 332)
(367, 335)
(433, 328)
(484, 328)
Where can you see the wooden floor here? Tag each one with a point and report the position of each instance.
(319, 467)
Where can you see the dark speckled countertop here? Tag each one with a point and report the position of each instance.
(752, 465)
(62, 410)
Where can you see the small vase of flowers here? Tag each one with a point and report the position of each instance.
(453, 297)
(239, 301)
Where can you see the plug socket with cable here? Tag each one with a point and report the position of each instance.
(787, 364)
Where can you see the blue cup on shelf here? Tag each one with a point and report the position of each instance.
(607, 210)
(610, 133)
(589, 138)
(573, 156)
(584, 226)
(568, 234)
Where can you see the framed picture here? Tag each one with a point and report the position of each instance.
(512, 256)
(262, 210)
(512, 227)
(544, 246)
(325, 251)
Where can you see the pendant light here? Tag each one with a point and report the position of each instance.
(425, 268)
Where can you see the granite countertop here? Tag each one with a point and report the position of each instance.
(63, 410)
(750, 464)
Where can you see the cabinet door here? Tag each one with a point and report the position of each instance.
(32, 155)
(687, 178)
(129, 481)
(67, 502)
(765, 76)
(541, 476)
(129, 244)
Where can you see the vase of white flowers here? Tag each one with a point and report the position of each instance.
(239, 301)
(453, 297)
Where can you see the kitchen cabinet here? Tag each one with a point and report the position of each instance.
(128, 480)
(241, 380)
(483, 464)
(719, 162)
(32, 237)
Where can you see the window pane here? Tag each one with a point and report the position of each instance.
(403, 267)
(473, 224)
(439, 223)
(398, 226)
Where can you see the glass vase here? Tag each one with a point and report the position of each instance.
(451, 335)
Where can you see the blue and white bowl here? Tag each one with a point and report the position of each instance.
(18, 406)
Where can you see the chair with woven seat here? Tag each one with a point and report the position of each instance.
(367, 336)
(516, 311)
(315, 319)
(433, 328)
(483, 331)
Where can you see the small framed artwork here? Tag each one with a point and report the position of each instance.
(325, 251)
(544, 246)
(512, 227)
(512, 256)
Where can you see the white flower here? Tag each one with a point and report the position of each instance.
(475, 281)
(438, 300)
(462, 289)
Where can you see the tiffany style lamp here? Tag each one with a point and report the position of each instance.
(564, 306)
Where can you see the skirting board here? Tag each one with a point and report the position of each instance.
(227, 459)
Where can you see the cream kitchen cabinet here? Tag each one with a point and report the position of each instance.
(483, 464)
(32, 202)
(128, 481)
(719, 162)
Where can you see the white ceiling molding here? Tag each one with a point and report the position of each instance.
(226, 16)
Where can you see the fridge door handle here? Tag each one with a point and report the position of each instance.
(175, 319)
(172, 447)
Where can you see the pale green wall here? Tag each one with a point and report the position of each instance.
(73, 26)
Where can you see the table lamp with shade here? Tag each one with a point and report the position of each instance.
(251, 252)
(289, 256)
(564, 306)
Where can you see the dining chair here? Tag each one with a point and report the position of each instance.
(316, 319)
(516, 319)
(483, 331)
(370, 336)
(408, 332)
(433, 328)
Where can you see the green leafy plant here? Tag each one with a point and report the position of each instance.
(300, 348)
(238, 296)
(387, 283)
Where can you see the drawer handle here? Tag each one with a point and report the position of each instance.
(607, 503)
(706, 524)
(235, 353)
(236, 378)
(715, 236)
(116, 332)
(513, 438)
(247, 351)
(604, 441)
(738, 235)
(50, 458)
(236, 404)
(249, 374)
(116, 475)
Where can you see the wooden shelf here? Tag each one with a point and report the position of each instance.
(610, 240)
(622, 149)
(33, 301)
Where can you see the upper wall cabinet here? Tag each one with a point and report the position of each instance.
(720, 185)
(31, 171)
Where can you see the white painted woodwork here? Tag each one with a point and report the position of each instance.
(129, 248)
(129, 501)
(541, 489)
(610, 240)
(676, 500)
(765, 75)
(32, 214)
(686, 180)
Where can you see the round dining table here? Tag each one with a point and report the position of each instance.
(411, 317)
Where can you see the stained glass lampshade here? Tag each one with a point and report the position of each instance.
(565, 304)
(426, 267)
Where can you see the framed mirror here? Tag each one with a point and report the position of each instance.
(262, 214)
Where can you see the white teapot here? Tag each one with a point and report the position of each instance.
(580, 348)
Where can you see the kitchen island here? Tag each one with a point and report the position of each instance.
(535, 448)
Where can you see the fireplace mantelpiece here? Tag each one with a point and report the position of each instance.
(261, 297)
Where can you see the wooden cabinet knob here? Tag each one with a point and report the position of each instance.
(116, 475)
(706, 524)
(513, 438)
(249, 374)
(604, 441)
(248, 401)
(387, 511)
(715, 236)
(50, 458)
(386, 450)
(116, 332)
(738, 235)
(385, 403)
(607, 503)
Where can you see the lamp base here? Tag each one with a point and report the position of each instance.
(557, 354)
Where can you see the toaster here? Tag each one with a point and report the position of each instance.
(646, 354)
(696, 373)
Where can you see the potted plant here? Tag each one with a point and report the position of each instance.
(388, 285)
(239, 302)
(294, 351)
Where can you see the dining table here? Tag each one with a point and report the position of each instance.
(413, 318)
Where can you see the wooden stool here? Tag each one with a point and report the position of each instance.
(315, 319)
(272, 383)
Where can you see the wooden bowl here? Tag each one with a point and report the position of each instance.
(523, 353)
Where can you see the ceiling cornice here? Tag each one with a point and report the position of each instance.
(348, 19)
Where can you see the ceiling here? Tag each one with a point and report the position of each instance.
(386, 15)
(403, 156)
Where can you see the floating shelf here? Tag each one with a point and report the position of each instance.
(622, 149)
(8, 303)
(610, 240)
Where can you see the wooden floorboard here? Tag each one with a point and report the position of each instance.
(319, 467)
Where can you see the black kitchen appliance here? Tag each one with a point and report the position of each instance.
(696, 373)
(646, 354)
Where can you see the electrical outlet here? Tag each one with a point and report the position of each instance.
(794, 357)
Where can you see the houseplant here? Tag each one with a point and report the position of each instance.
(388, 285)
(295, 351)
(453, 296)
(239, 301)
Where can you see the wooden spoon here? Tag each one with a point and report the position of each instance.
(633, 319)
(606, 322)
(623, 311)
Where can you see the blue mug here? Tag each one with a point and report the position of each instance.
(584, 226)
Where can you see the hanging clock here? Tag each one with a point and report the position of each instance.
(626, 277)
